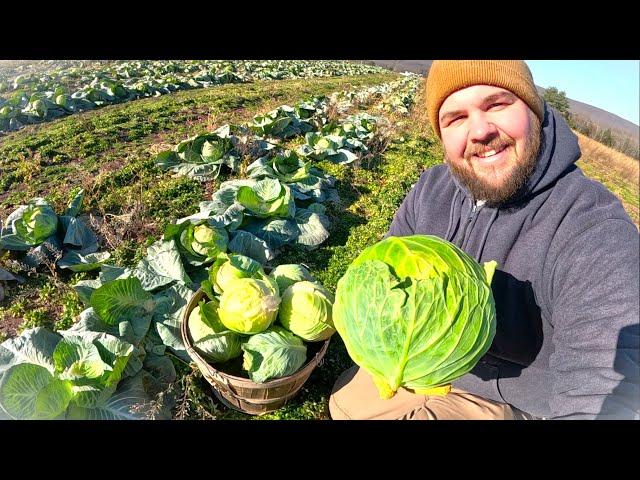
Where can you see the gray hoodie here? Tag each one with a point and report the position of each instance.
(566, 289)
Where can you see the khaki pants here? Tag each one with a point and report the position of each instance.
(355, 397)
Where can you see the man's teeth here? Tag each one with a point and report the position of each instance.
(487, 154)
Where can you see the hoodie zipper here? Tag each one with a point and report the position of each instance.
(474, 211)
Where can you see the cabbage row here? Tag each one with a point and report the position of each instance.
(36, 98)
(204, 156)
(282, 201)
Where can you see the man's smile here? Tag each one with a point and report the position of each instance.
(490, 157)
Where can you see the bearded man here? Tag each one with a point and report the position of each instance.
(566, 287)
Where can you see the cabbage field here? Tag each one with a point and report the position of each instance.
(38, 97)
(126, 186)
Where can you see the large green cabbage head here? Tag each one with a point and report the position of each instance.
(306, 311)
(228, 268)
(415, 312)
(210, 337)
(290, 273)
(248, 305)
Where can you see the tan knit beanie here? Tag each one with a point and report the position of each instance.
(448, 76)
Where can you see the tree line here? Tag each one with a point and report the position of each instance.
(622, 143)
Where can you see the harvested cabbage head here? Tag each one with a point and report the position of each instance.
(415, 312)
(227, 268)
(210, 337)
(272, 354)
(248, 305)
(306, 311)
(288, 274)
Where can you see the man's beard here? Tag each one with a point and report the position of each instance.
(513, 181)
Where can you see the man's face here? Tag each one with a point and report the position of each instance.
(491, 140)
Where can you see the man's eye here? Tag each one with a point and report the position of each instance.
(494, 105)
(456, 119)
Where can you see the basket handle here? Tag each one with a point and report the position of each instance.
(222, 380)
(219, 378)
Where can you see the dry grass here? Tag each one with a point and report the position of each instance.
(618, 172)
(616, 162)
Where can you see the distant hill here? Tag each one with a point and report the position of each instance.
(600, 117)
(606, 119)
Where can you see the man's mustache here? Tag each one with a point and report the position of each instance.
(497, 144)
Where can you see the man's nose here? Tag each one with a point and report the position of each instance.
(481, 129)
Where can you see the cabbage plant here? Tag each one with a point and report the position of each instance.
(109, 365)
(270, 218)
(36, 230)
(282, 122)
(199, 241)
(287, 166)
(74, 373)
(30, 225)
(326, 147)
(203, 156)
(267, 198)
(306, 182)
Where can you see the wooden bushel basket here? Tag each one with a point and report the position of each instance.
(241, 393)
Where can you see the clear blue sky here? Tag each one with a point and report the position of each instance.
(612, 85)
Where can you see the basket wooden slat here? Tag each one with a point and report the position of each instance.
(241, 393)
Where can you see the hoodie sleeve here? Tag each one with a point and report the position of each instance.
(595, 315)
